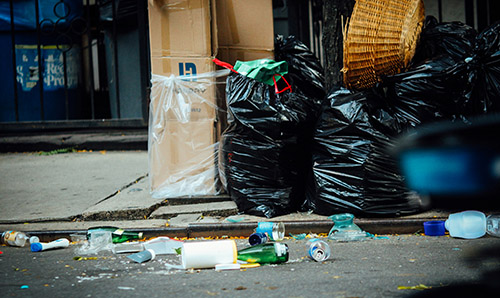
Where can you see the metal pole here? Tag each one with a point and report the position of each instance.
(14, 64)
(40, 59)
(91, 64)
(115, 48)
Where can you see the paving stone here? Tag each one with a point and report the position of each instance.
(207, 209)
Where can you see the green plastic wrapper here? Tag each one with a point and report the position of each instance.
(262, 70)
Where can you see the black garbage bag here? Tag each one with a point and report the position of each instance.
(261, 152)
(305, 72)
(306, 75)
(435, 90)
(484, 72)
(353, 168)
(453, 39)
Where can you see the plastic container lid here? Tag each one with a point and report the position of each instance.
(434, 228)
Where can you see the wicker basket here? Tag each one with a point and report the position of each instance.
(380, 39)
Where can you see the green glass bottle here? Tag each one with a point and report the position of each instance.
(267, 253)
(117, 235)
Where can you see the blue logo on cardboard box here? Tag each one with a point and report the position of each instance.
(187, 69)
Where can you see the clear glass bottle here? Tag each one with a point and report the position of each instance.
(117, 235)
(14, 238)
(492, 225)
(318, 250)
(267, 253)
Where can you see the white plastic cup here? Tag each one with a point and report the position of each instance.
(469, 224)
(207, 254)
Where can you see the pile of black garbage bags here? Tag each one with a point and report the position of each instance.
(330, 152)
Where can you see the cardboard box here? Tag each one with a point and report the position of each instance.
(182, 159)
(245, 24)
(182, 28)
(188, 99)
(230, 55)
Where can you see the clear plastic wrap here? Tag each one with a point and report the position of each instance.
(183, 135)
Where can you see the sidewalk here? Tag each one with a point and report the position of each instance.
(67, 192)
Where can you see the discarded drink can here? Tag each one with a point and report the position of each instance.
(274, 230)
(257, 238)
(318, 250)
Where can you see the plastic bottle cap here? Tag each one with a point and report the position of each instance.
(434, 228)
(36, 246)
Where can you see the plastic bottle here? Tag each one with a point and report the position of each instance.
(257, 238)
(117, 235)
(274, 230)
(59, 243)
(318, 250)
(14, 238)
(267, 253)
(469, 224)
(492, 225)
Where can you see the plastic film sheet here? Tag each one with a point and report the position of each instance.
(183, 135)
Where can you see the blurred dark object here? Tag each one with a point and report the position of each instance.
(353, 171)
(456, 165)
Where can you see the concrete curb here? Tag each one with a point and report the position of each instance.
(198, 230)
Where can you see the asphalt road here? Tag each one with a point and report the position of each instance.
(372, 268)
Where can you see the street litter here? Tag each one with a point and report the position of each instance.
(434, 228)
(257, 238)
(17, 238)
(40, 246)
(344, 228)
(418, 287)
(127, 247)
(163, 245)
(207, 254)
(275, 231)
(472, 224)
(318, 250)
(98, 240)
(298, 236)
(143, 256)
(267, 253)
(117, 235)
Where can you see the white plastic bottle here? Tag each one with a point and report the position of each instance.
(493, 225)
(469, 224)
(59, 243)
(14, 238)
